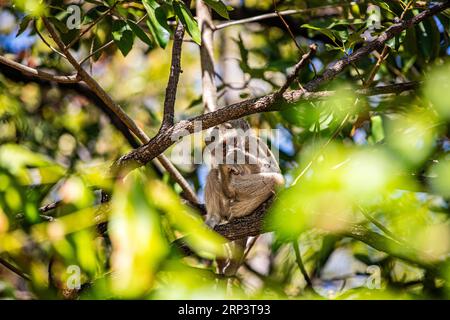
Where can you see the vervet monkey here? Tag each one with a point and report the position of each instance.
(243, 175)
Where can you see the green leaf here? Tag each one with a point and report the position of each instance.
(25, 159)
(326, 32)
(123, 36)
(185, 16)
(159, 33)
(354, 38)
(242, 50)
(162, 13)
(59, 24)
(219, 7)
(24, 25)
(140, 33)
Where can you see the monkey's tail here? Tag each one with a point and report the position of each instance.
(236, 256)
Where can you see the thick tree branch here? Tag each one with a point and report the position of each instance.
(253, 225)
(100, 92)
(271, 102)
(378, 43)
(161, 142)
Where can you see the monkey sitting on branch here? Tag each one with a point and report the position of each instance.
(244, 174)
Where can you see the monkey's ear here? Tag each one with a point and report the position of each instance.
(233, 170)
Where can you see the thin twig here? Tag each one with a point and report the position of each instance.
(93, 53)
(14, 269)
(385, 230)
(322, 148)
(299, 66)
(249, 248)
(50, 206)
(46, 42)
(288, 28)
(298, 258)
(272, 15)
(376, 67)
(39, 73)
(406, 9)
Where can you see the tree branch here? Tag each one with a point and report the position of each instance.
(299, 66)
(113, 106)
(378, 43)
(174, 77)
(94, 85)
(39, 73)
(80, 89)
(253, 225)
(14, 269)
(162, 141)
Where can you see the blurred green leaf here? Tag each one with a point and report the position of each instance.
(202, 239)
(437, 89)
(377, 128)
(439, 177)
(138, 243)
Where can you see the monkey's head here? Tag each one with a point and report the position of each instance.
(220, 130)
(237, 124)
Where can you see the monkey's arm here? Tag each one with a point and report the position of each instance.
(215, 200)
(226, 172)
